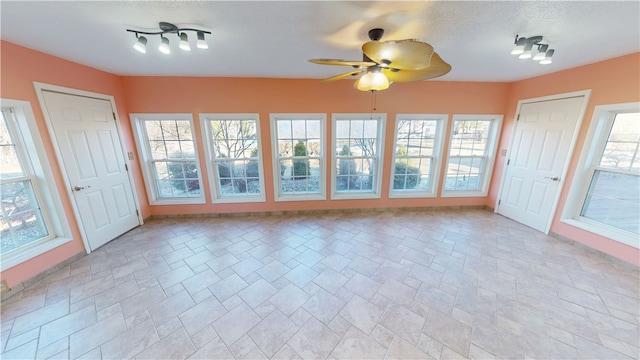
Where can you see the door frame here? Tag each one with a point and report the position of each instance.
(574, 139)
(40, 88)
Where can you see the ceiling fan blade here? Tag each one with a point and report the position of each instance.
(403, 54)
(342, 62)
(342, 76)
(437, 68)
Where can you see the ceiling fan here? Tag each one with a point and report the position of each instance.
(384, 62)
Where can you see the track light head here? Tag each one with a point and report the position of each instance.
(141, 44)
(542, 49)
(164, 45)
(184, 42)
(547, 57)
(519, 45)
(202, 44)
(526, 54)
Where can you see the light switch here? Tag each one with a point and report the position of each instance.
(130, 155)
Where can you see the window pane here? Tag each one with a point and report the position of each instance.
(299, 129)
(463, 173)
(239, 177)
(355, 174)
(469, 137)
(9, 163)
(306, 179)
(22, 221)
(177, 179)
(412, 174)
(284, 129)
(613, 199)
(234, 138)
(170, 139)
(621, 150)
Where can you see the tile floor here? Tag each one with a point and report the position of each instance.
(395, 285)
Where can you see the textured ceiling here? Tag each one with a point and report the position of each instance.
(275, 38)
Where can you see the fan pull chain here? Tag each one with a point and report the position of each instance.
(373, 103)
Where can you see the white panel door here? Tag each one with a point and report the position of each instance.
(537, 158)
(93, 159)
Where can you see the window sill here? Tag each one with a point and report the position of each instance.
(470, 193)
(410, 195)
(28, 252)
(181, 201)
(239, 199)
(609, 232)
(300, 197)
(354, 196)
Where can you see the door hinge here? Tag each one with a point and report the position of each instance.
(508, 161)
(518, 118)
(114, 115)
(126, 167)
(499, 202)
(137, 213)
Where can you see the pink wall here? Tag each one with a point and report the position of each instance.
(613, 81)
(265, 96)
(20, 67)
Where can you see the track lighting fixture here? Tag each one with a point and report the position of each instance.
(524, 48)
(167, 28)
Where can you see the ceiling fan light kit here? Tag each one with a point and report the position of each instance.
(385, 62)
(524, 49)
(169, 28)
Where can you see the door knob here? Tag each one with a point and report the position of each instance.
(78, 188)
(555, 178)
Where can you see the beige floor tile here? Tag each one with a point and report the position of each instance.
(273, 332)
(361, 314)
(131, 342)
(289, 299)
(175, 346)
(356, 344)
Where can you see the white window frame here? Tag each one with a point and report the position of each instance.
(375, 192)
(210, 156)
(144, 153)
(597, 135)
(279, 196)
(489, 156)
(28, 142)
(436, 156)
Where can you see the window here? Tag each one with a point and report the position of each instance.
(169, 158)
(234, 157)
(472, 149)
(605, 193)
(298, 145)
(33, 220)
(418, 145)
(357, 145)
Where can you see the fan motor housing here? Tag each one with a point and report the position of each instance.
(376, 34)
